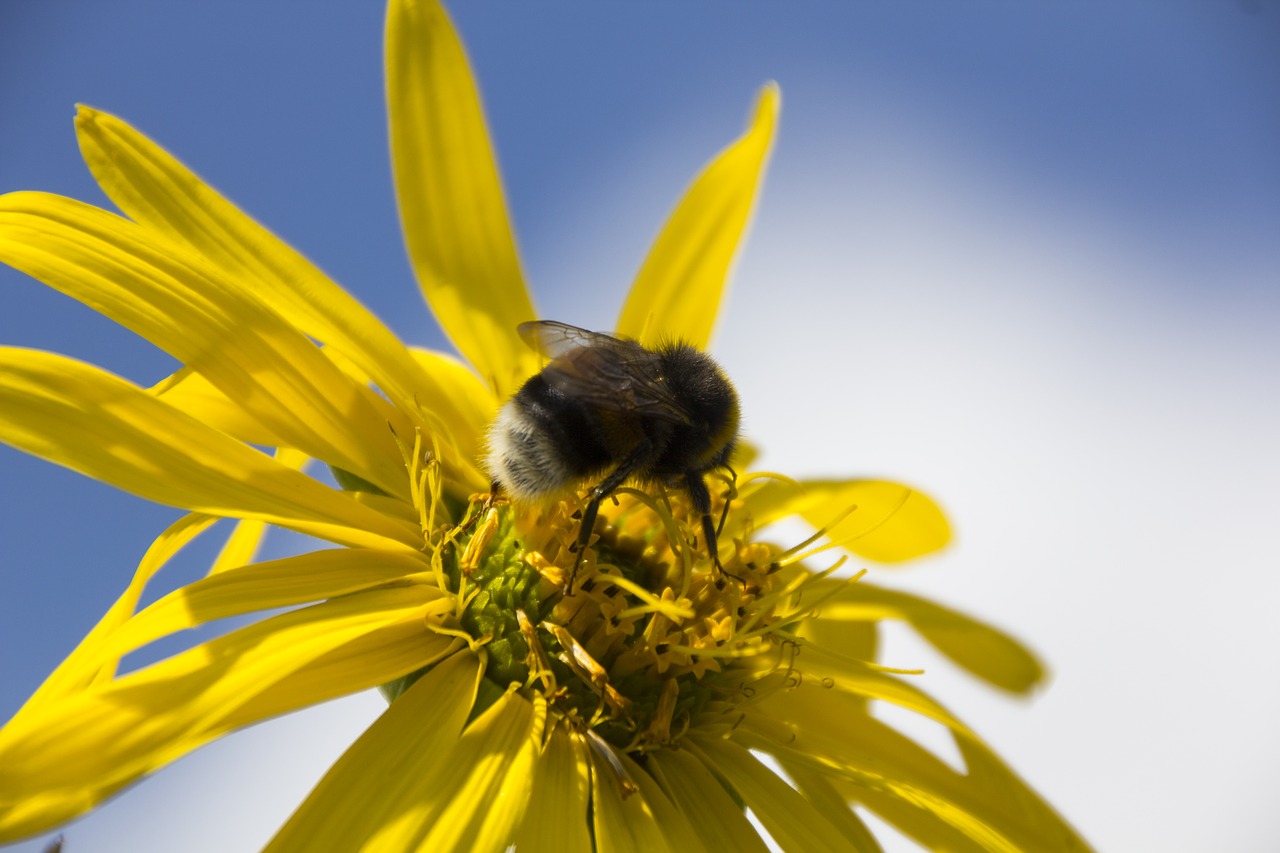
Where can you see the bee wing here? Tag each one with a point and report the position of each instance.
(606, 372)
(553, 339)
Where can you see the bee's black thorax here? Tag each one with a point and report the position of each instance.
(706, 442)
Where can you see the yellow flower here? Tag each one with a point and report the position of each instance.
(647, 704)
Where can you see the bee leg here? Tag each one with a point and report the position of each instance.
(634, 462)
(728, 499)
(701, 500)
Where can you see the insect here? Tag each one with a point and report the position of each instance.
(609, 408)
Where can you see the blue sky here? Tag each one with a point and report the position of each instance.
(1026, 258)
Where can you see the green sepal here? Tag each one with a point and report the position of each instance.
(351, 483)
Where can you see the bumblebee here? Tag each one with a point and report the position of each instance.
(609, 409)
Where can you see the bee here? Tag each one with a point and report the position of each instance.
(608, 409)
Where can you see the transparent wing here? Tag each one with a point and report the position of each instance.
(554, 339)
(604, 372)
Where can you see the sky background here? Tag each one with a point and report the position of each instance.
(1026, 258)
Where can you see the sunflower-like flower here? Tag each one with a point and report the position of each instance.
(650, 702)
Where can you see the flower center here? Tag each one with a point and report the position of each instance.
(647, 636)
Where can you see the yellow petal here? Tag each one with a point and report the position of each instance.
(240, 546)
(244, 540)
(821, 728)
(716, 818)
(835, 807)
(381, 774)
(859, 679)
(457, 431)
(195, 395)
(673, 823)
(490, 783)
(262, 586)
(451, 203)
(988, 653)
(792, 821)
(82, 747)
(474, 404)
(855, 639)
(622, 821)
(1019, 801)
(154, 189)
(90, 421)
(891, 522)
(912, 817)
(893, 776)
(189, 392)
(678, 290)
(470, 797)
(85, 663)
(556, 818)
(173, 299)
(894, 770)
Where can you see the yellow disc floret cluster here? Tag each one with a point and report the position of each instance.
(646, 638)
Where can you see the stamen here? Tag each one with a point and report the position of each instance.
(713, 651)
(671, 608)
(673, 535)
(550, 572)
(853, 537)
(793, 555)
(659, 730)
(771, 475)
(766, 602)
(476, 644)
(538, 662)
(471, 556)
(585, 667)
(879, 667)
